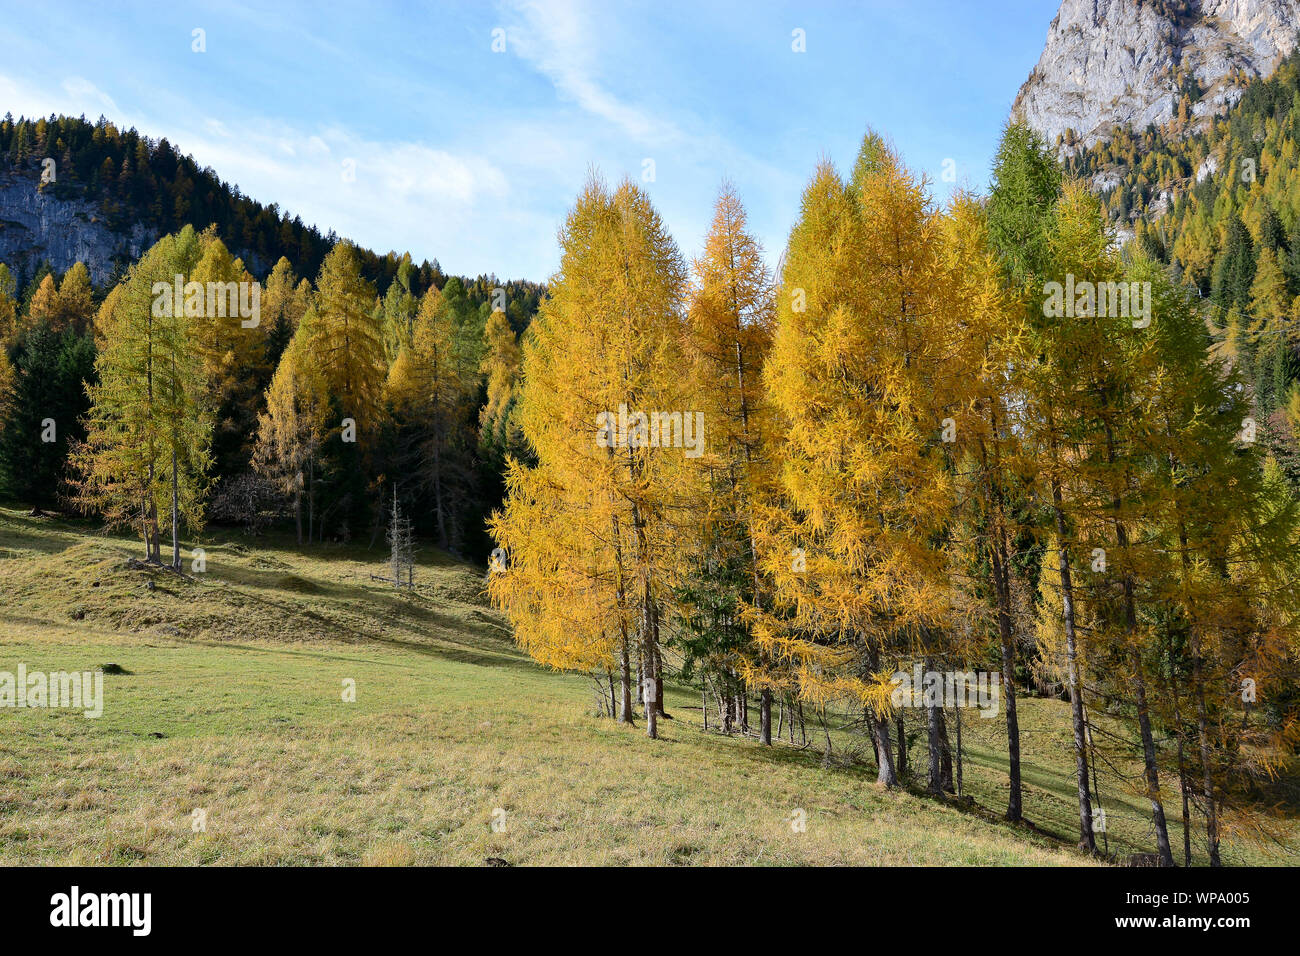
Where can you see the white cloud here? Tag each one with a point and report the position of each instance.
(558, 38)
(390, 175)
(89, 98)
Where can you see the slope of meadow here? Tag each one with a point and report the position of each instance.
(232, 704)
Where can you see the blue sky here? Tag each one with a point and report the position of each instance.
(398, 125)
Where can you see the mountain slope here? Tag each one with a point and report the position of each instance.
(114, 192)
(1129, 63)
(1221, 207)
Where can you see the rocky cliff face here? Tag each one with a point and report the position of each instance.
(36, 225)
(1115, 63)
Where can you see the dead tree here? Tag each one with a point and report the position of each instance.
(400, 539)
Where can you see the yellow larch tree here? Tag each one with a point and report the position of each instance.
(601, 382)
(860, 373)
(233, 351)
(290, 432)
(344, 341)
(988, 322)
(76, 299)
(284, 302)
(44, 307)
(730, 321)
(500, 367)
(149, 430)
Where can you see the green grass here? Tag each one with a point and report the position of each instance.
(232, 704)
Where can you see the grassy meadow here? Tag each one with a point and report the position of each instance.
(457, 748)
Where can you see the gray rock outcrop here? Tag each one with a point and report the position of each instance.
(37, 225)
(1117, 63)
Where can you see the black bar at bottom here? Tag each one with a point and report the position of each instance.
(301, 906)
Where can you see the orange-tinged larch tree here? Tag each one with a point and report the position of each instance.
(44, 307)
(345, 342)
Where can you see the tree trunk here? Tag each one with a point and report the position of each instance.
(933, 715)
(1001, 572)
(936, 735)
(1152, 773)
(1185, 786)
(956, 713)
(1096, 786)
(1183, 783)
(1207, 776)
(1143, 713)
(1202, 725)
(902, 745)
(152, 544)
(1087, 841)
(156, 532)
(625, 702)
(658, 666)
(765, 717)
(1002, 587)
(176, 516)
(885, 773)
(625, 664)
(647, 658)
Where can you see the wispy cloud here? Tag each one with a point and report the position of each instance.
(74, 96)
(561, 39)
(83, 91)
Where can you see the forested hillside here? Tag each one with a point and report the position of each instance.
(1222, 209)
(62, 333)
(135, 180)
